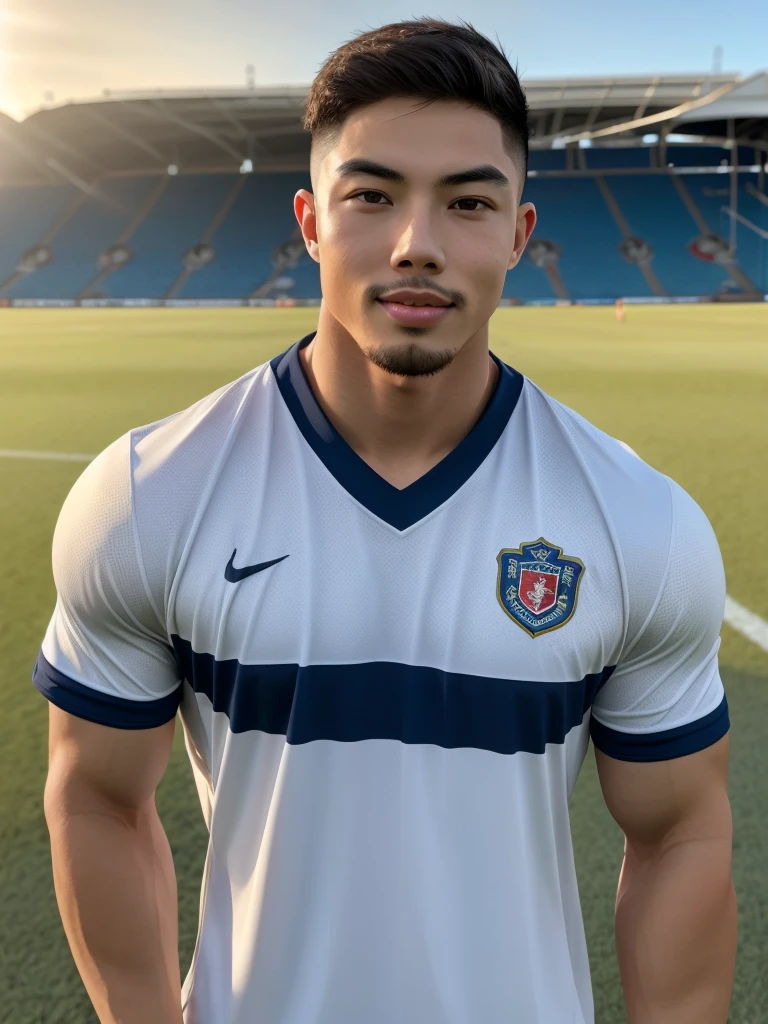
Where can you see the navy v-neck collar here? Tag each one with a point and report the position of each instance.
(400, 508)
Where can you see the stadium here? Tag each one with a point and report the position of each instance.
(131, 223)
(180, 198)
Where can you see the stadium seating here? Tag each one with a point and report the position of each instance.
(261, 218)
(178, 221)
(601, 159)
(656, 213)
(546, 160)
(706, 156)
(752, 247)
(249, 222)
(573, 215)
(26, 213)
(96, 224)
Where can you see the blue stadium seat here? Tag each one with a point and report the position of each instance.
(705, 156)
(697, 156)
(261, 218)
(656, 214)
(546, 160)
(527, 282)
(26, 213)
(178, 221)
(97, 224)
(751, 248)
(573, 214)
(598, 158)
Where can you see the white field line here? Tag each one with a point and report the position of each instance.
(752, 626)
(10, 453)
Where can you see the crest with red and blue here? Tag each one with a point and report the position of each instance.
(538, 586)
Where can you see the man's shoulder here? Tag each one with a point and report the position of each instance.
(166, 464)
(612, 462)
(202, 426)
(620, 493)
(650, 519)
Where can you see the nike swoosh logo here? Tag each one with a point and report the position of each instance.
(233, 575)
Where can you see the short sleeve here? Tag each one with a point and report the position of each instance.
(665, 698)
(106, 656)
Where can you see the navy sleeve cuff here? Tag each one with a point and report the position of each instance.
(102, 708)
(662, 746)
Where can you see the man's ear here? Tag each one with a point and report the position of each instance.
(526, 221)
(304, 208)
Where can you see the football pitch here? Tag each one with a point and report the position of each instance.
(685, 386)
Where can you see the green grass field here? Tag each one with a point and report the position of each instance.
(685, 386)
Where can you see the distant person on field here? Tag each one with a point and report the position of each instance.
(620, 311)
(391, 588)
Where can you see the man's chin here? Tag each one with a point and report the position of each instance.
(410, 360)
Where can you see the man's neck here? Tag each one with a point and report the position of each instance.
(400, 426)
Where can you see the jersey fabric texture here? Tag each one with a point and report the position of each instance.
(383, 749)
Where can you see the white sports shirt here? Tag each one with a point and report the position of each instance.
(386, 694)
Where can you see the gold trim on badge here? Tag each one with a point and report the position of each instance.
(519, 551)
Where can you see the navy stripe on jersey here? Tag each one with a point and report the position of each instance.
(103, 708)
(383, 700)
(662, 746)
(400, 508)
(387, 700)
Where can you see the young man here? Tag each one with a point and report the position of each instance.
(391, 587)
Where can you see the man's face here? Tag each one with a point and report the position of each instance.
(390, 213)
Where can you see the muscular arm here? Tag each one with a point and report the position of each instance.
(676, 904)
(112, 866)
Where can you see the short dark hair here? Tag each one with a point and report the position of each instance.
(428, 58)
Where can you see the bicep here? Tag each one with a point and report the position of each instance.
(91, 762)
(106, 655)
(654, 801)
(666, 700)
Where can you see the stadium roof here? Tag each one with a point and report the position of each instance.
(219, 129)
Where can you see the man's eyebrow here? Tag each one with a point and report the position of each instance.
(485, 173)
(358, 165)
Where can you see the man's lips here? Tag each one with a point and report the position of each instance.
(415, 316)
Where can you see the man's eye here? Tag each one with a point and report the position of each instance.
(368, 201)
(472, 209)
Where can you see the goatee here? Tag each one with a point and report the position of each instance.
(410, 360)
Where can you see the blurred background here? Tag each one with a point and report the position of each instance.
(151, 151)
(149, 155)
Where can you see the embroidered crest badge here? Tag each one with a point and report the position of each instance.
(538, 586)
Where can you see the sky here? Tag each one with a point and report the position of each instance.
(55, 50)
